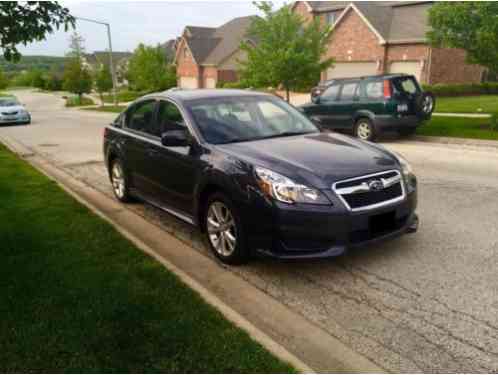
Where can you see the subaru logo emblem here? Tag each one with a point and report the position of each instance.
(376, 185)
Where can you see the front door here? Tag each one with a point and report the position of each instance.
(174, 169)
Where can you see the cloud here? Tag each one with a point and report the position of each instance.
(134, 22)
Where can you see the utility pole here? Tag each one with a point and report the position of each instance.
(113, 73)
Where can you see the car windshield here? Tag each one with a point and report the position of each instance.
(242, 119)
(8, 102)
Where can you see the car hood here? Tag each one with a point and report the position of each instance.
(317, 159)
(14, 108)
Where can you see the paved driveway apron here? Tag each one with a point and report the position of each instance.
(427, 302)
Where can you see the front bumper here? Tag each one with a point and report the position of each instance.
(15, 120)
(396, 122)
(328, 231)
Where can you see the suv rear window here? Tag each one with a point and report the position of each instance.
(407, 85)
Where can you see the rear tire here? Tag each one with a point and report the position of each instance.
(224, 230)
(119, 181)
(365, 130)
(425, 105)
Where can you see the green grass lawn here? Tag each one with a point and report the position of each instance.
(107, 108)
(123, 96)
(74, 101)
(459, 128)
(468, 104)
(76, 296)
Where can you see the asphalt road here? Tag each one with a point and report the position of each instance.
(426, 302)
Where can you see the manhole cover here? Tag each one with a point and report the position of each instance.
(48, 145)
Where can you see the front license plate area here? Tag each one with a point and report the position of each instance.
(382, 223)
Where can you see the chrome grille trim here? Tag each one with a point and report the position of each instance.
(364, 188)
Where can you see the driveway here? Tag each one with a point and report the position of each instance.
(426, 302)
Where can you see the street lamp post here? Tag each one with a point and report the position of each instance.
(113, 73)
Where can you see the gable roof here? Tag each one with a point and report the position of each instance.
(210, 46)
(391, 21)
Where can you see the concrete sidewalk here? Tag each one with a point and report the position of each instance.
(283, 332)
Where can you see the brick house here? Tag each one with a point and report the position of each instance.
(386, 37)
(207, 55)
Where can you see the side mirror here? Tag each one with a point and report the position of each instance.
(315, 99)
(175, 138)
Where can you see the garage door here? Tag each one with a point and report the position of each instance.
(210, 83)
(407, 67)
(352, 69)
(188, 83)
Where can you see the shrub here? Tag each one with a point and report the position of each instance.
(76, 101)
(494, 121)
(487, 88)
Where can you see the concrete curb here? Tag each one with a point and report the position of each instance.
(281, 331)
(455, 141)
(464, 115)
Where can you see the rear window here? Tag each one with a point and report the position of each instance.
(407, 85)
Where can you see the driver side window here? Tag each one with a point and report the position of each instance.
(330, 95)
(169, 118)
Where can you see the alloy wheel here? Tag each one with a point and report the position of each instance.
(221, 228)
(364, 131)
(118, 182)
(427, 105)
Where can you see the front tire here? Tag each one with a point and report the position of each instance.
(119, 181)
(365, 130)
(224, 231)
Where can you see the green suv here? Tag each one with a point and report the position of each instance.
(371, 105)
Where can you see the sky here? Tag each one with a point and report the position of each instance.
(134, 22)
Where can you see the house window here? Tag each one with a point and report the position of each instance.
(330, 18)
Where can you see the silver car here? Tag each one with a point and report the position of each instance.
(13, 112)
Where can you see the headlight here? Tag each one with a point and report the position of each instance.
(406, 168)
(285, 190)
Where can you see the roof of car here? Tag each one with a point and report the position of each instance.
(195, 94)
(390, 75)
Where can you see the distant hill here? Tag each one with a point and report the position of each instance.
(43, 63)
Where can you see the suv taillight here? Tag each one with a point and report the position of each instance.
(387, 89)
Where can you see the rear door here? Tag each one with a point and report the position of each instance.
(347, 104)
(407, 90)
(139, 120)
(372, 96)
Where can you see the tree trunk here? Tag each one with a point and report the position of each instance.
(101, 98)
(287, 94)
(80, 95)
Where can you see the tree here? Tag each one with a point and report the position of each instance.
(288, 52)
(37, 79)
(4, 82)
(77, 78)
(53, 80)
(29, 21)
(103, 81)
(471, 26)
(149, 70)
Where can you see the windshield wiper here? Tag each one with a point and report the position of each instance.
(285, 134)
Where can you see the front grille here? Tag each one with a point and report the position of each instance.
(373, 197)
(9, 113)
(371, 191)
